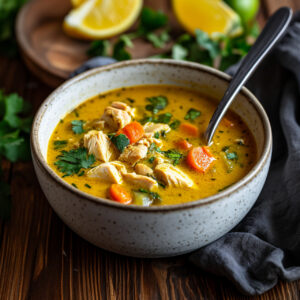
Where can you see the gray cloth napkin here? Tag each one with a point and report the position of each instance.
(265, 246)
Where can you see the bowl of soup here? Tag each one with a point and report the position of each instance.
(120, 155)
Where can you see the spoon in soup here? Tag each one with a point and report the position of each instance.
(271, 34)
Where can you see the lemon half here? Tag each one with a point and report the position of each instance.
(214, 17)
(100, 19)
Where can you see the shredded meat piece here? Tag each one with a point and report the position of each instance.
(151, 128)
(124, 106)
(115, 118)
(133, 153)
(99, 144)
(106, 172)
(141, 181)
(172, 176)
(142, 169)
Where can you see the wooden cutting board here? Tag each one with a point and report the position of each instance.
(51, 54)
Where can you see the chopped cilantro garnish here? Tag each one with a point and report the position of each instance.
(153, 195)
(175, 124)
(77, 126)
(174, 155)
(121, 141)
(232, 155)
(71, 162)
(88, 186)
(163, 118)
(60, 144)
(151, 159)
(74, 185)
(130, 100)
(192, 114)
(156, 135)
(157, 103)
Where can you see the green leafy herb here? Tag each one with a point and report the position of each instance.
(157, 103)
(8, 13)
(153, 195)
(179, 52)
(98, 48)
(74, 185)
(151, 159)
(119, 52)
(192, 114)
(71, 162)
(77, 126)
(121, 141)
(232, 155)
(130, 100)
(163, 118)
(59, 144)
(15, 127)
(152, 20)
(156, 135)
(175, 124)
(88, 186)
(158, 40)
(174, 155)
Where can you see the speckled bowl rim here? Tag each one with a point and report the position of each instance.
(267, 148)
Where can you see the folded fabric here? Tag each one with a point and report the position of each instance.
(265, 246)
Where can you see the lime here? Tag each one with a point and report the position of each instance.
(247, 9)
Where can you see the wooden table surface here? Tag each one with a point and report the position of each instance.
(41, 258)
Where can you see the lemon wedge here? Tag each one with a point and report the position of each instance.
(100, 19)
(214, 17)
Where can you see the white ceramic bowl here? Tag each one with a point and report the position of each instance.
(149, 231)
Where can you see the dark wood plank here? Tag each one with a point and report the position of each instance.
(40, 258)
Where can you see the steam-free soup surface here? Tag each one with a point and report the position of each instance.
(143, 145)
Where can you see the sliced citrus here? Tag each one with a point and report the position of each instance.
(214, 17)
(100, 19)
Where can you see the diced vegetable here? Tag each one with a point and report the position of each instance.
(121, 141)
(142, 199)
(183, 144)
(119, 194)
(189, 129)
(192, 114)
(134, 131)
(200, 159)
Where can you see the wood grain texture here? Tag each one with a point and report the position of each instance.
(41, 258)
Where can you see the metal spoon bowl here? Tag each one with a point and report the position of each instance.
(271, 34)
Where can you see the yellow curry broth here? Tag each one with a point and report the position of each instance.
(222, 174)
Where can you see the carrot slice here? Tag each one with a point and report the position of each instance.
(134, 131)
(183, 144)
(119, 194)
(189, 129)
(200, 159)
(226, 122)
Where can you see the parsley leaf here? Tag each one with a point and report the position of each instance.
(77, 126)
(71, 162)
(174, 155)
(98, 48)
(157, 103)
(154, 196)
(152, 20)
(232, 155)
(163, 118)
(192, 114)
(119, 51)
(121, 141)
(158, 40)
(59, 144)
(175, 124)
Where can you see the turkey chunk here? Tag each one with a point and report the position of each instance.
(115, 118)
(99, 144)
(141, 181)
(106, 172)
(172, 176)
(151, 128)
(142, 169)
(124, 106)
(133, 153)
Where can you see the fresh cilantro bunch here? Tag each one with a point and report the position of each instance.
(8, 13)
(15, 127)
